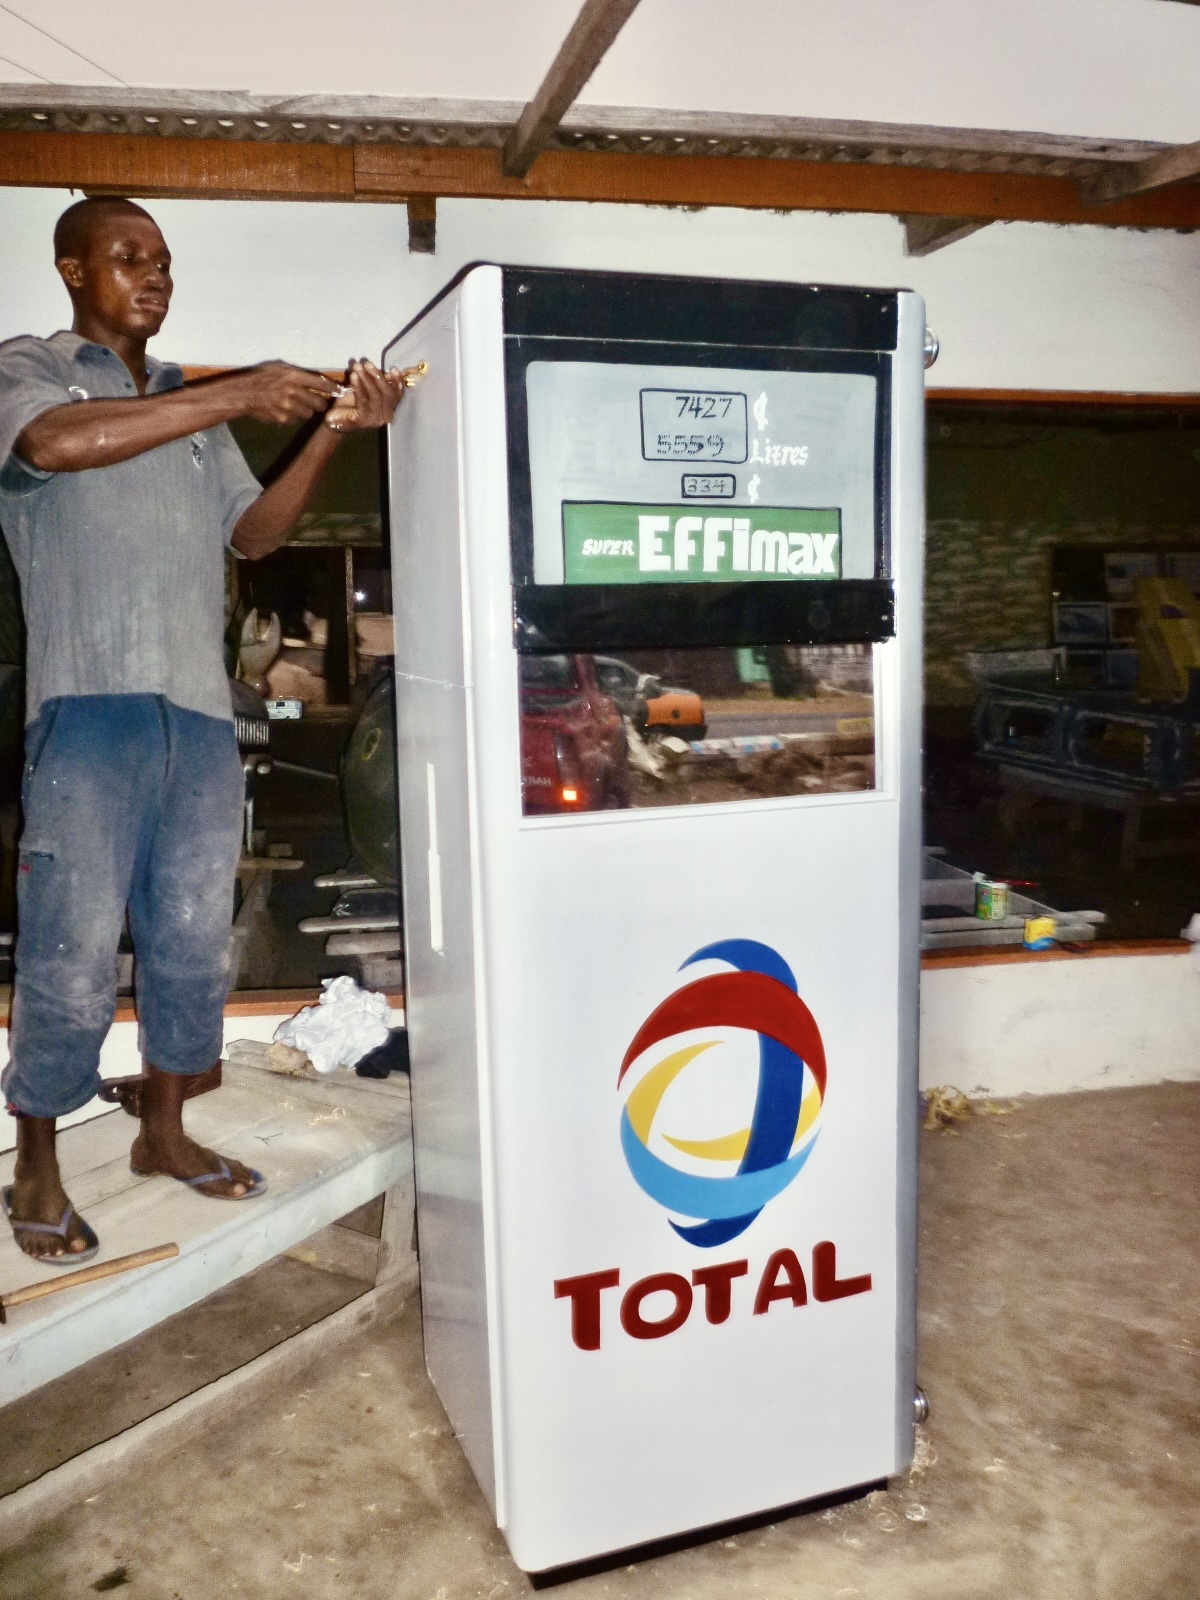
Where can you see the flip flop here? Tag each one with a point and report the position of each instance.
(69, 1258)
(223, 1175)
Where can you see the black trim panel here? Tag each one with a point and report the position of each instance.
(651, 307)
(549, 618)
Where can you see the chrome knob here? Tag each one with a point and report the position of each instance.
(932, 347)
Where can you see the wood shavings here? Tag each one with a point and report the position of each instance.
(943, 1106)
(924, 1455)
(997, 1108)
(284, 1059)
(288, 1061)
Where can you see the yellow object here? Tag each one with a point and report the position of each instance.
(1038, 929)
(1168, 638)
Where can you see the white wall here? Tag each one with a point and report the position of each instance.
(1053, 1027)
(1109, 68)
(1018, 305)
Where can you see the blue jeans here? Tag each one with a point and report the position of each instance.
(132, 803)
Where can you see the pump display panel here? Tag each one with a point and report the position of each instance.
(610, 504)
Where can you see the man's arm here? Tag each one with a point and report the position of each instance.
(370, 403)
(99, 433)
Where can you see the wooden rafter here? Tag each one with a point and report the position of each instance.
(592, 32)
(1140, 177)
(422, 224)
(232, 169)
(924, 235)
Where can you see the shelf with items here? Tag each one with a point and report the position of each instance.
(1094, 606)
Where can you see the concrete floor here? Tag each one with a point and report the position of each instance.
(1060, 1327)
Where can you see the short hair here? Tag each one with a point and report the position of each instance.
(74, 228)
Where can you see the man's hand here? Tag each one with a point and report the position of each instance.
(369, 399)
(279, 393)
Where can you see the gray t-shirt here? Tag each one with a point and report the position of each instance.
(122, 567)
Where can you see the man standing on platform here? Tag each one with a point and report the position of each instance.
(120, 490)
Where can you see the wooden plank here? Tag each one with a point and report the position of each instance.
(216, 169)
(316, 1090)
(1061, 397)
(581, 52)
(324, 1151)
(391, 171)
(164, 1434)
(1009, 955)
(924, 235)
(1139, 177)
(397, 1239)
(127, 163)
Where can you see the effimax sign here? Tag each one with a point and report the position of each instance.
(607, 543)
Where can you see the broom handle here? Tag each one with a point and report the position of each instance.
(105, 1269)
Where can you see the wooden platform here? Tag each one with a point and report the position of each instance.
(324, 1148)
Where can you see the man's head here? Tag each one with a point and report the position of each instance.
(117, 269)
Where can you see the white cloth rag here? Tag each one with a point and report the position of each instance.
(346, 1024)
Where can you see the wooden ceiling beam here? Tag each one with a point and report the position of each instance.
(229, 169)
(215, 169)
(1120, 181)
(581, 52)
(384, 171)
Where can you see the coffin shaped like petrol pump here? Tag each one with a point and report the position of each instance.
(656, 557)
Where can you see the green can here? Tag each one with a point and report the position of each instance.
(991, 899)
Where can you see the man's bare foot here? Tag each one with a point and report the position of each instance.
(163, 1146)
(181, 1157)
(38, 1194)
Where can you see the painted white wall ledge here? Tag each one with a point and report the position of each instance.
(1054, 1027)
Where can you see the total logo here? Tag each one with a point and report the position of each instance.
(755, 1163)
(759, 995)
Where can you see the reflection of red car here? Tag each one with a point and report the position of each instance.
(573, 751)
